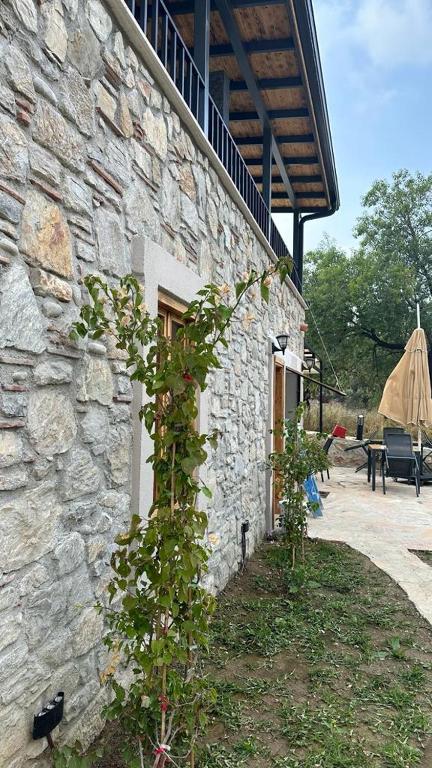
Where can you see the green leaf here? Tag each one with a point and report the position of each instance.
(265, 293)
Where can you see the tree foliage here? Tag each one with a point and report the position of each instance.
(364, 303)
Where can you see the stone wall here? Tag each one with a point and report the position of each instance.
(92, 157)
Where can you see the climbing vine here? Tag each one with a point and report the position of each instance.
(159, 610)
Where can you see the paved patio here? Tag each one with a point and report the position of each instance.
(382, 527)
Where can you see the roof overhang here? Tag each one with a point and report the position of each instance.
(280, 50)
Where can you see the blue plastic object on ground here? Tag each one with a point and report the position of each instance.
(313, 496)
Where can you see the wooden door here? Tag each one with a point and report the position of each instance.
(278, 417)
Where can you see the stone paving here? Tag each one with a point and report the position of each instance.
(384, 528)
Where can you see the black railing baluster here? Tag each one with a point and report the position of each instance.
(155, 24)
(164, 44)
(143, 15)
(182, 71)
(173, 55)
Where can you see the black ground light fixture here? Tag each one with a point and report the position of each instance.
(360, 427)
(49, 718)
(244, 530)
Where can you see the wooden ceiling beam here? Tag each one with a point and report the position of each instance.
(273, 114)
(182, 7)
(301, 138)
(316, 179)
(300, 195)
(268, 83)
(294, 160)
(241, 53)
(254, 46)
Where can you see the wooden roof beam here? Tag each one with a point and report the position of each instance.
(300, 138)
(301, 195)
(273, 114)
(302, 208)
(228, 19)
(294, 160)
(187, 6)
(315, 179)
(254, 46)
(268, 83)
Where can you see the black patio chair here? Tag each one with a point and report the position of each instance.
(326, 447)
(392, 431)
(400, 459)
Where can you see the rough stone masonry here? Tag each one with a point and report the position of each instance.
(92, 156)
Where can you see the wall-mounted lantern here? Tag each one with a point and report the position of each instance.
(282, 341)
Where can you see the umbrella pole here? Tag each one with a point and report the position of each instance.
(418, 315)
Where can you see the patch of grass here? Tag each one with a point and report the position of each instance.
(344, 661)
(329, 667)
(400, 755)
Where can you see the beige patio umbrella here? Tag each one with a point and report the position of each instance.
(407, 397)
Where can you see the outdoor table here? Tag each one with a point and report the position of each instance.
(373, 450)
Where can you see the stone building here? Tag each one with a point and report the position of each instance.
(114, 158)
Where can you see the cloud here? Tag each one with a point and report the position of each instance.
(389, 33)
(394, 32)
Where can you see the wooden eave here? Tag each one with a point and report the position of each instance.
(289, 106)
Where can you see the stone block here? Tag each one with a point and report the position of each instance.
(111, 242)
(19, 74)
(21, 324)
(106, 104)
(45, 235)
(99, 19)
(124, 117)
(51, 308)
(12, 478)
(140, 212)
(11, 629)
(43, 164)
(54, 29)
(94, 427)
(53, 372)
(82, 477)
(28, 524)
(77, 196)
(10, 208)
(118, 454)
(26, 12)
(51, 422)
(95, 381)
(155, 133)
(11, 449)
(187, 181)
(51, 130)
(15, 732)
(86, 631)
(70, 553)
(84, 50)
(76, 101)
(13, 150)
(45, 284)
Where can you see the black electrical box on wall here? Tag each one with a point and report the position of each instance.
(49, 717)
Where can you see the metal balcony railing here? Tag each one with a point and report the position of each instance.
(160, 29)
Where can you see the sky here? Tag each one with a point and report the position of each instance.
(376, 57)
